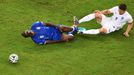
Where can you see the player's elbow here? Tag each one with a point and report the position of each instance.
(130, 24)
(106, 11)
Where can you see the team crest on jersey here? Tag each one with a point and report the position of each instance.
(116, 18)
(122, 18)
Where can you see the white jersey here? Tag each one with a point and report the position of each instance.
(120, 20)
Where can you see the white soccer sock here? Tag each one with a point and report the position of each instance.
(87, 18)
(92, 31)
(73, 29)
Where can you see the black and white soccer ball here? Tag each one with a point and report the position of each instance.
(13, 58)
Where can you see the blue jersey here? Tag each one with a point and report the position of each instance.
(44, 33)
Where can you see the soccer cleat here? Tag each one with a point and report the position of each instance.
(76, 21)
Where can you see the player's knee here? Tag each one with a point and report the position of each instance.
(67, 37)
(65, 28)
(70, 38)
(98, 15)
(103, 30)
(96, 11)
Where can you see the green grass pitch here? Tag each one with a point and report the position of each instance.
(111, 54)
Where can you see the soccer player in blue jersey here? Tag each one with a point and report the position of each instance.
(48, 33)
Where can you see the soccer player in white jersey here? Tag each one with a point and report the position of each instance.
(109, 24)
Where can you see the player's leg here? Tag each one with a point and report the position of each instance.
(104, 23)
(70, 30)
(105, 29)
(90, 17)
(87, 18)
(67, 29)
(66, 37)
(98, 16)
(64, 28)
(94, 31)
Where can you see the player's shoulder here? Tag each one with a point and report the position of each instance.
(115, 7)
(38, 23)
(128, 14)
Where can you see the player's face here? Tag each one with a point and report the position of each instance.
(121, 11)
(29, 33)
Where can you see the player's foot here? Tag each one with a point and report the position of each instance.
(76, 21)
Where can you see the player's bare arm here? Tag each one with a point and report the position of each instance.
(129, 27)
(105, 12)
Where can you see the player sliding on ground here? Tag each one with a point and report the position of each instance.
(110, 24)
(47, 33)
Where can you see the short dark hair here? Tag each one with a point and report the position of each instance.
(24, 34)
(123, 6)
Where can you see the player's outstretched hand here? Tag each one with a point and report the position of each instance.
(126, 34)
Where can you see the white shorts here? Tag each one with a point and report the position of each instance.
(108, 24)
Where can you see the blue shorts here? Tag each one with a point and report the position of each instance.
(57, 34)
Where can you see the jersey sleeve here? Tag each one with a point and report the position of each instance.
(130, 19)
(35, 26)
(113, 9)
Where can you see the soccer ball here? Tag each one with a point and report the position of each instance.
(13, 58)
